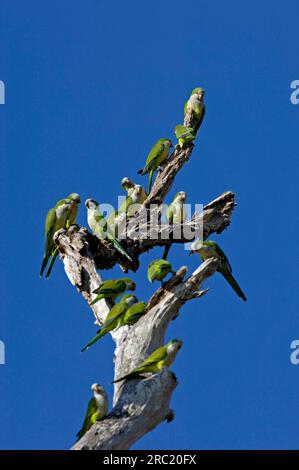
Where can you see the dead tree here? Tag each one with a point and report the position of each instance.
(140, 405)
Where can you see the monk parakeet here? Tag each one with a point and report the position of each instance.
(210, 249)
(157, 155)
(175, 214)
(158, 270)
(74, 198)
(161, 357)
(184, 134)
(196, 107)
(100, 227)
(128, 185)
(113, 288)
(97, 409)
(137, 196)
(114, 318)
(62, 215)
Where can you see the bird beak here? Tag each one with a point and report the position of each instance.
(190, 253)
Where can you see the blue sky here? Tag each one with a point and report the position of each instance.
(90, 86)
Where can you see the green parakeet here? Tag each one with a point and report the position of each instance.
(114, 318)
(158, 270)
(128, 185)
(210, 249)
(100, 227)
(74, 198)
(196, 107)
(62, 215)
(175, 214)
(97, 409)
(113, 288)
(157, 155)
(184, 134)
(136, 197)
(161, 357)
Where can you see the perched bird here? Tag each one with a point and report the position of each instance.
(114, 318)
(113, 288)
(157, 155)
(97, 409)
(128, 299)
(175, 214)
(158, 270)
(100, 227)
(137, 196)
(195, 107)
(62, 215)
(210, 249)
(128, 185)
(161, 357)
(133, 313)
(184, 134)
(75, 200)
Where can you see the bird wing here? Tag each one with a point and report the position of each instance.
(223, 255)
(91, 409)
(110, 287)
(201, 117)
(170, 213)
(156, 151)
(115, 312)
(157, 356)
(126, 204)
(50, 221)
(134, 312)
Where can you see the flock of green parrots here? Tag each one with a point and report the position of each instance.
(128, 310)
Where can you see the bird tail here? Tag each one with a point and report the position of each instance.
(98, 297)
(132, 375)
(232, 281)
(119, 247)
(44, 264)
(98, 336)
(79, 435)
(142, 171)
(150, 178)
(166, 251)
(54, 256)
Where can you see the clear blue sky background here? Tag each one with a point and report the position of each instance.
(90, 86)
